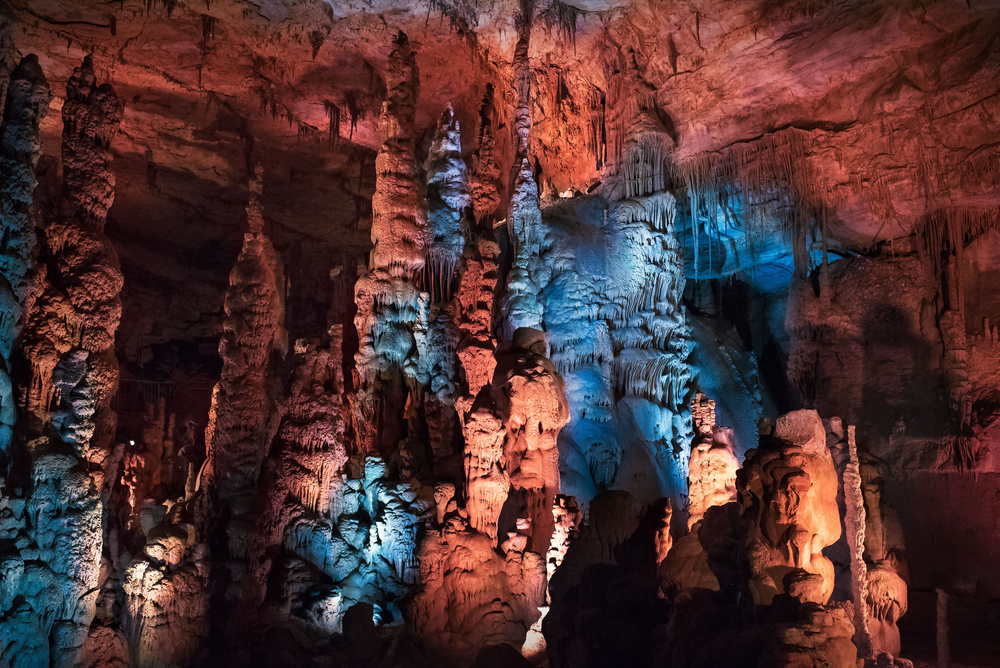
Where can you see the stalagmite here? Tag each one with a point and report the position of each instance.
(854, 524)
(943, 646)
(712, 466)
(480, 263)
(245, 412)
(788, 491)
(386, 296)
(26, 104)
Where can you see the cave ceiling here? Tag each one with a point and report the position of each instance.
(886, 111)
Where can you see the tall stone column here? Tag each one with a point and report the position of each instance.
(387, 298)
(244, 416)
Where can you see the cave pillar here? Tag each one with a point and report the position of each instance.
(387, 296)
(244, 415)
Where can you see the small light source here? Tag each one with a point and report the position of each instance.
(131, 442)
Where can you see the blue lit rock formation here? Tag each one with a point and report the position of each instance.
(26, 104)
(70, 371)
(364, 541)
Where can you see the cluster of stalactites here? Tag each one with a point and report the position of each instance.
(770, 179)
(628, 96)
(642, 167)
(643, 308)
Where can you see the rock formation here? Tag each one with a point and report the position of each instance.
(712, 466)
(788, 490)
(534, 280)
(387, 299)
(471, 596)
(69, 371)
(244, 417)
(25, 105)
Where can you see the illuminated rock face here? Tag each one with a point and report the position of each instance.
(788, 489)
(470, 596)
(166, 616)
(70, 372)
(712, 467)
(580, 219)
(365, 542)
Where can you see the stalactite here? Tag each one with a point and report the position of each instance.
(597, 136)
(333, 118)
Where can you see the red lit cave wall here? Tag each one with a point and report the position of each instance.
(543, 333)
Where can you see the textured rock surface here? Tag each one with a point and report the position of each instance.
(517, 246)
